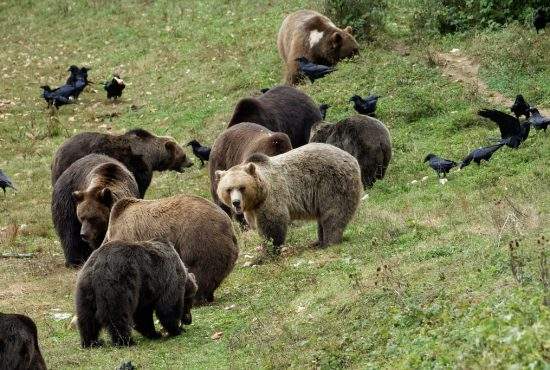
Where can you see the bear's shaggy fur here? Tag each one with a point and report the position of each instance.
(281, 109)
(200, 231)
(19, 348)
(122, 283)
(239, 142)
(364, 137)
(309, 34)
(316, 181)
(139, 150)
(81, 202)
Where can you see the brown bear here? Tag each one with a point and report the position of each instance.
(308, 34)
(122, 283)
(281, 109)
(316, 181)
(139, 150)
(239, 142)
(19, 348)
(81, 202)
(200, 231)
(364, 137)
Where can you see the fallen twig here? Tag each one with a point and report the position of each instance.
(16, 255)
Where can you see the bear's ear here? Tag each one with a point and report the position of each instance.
(251, 169)
(78, 196)
(106, 197)
(349, 30)
(219, 174)
(170, 147)
(336, 40)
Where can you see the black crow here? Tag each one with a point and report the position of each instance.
(520, 107)
(540, 20)
(264, 90)
(512, 133)
(537, 120)
(313, 71)
(479, 154)
(365, 106)
(114, 87)
(5, 182)
(58, 97)
(323, 109)
(201, 152)
(440, 165)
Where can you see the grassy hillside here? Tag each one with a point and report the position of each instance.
(423, 278)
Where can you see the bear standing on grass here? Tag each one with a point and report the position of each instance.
(82, 200)
(122, 283)
(201, 233)
(139, 150)
(239, 142)
(316, 181)
(309, 34)
(364, 137)
(19, 343)
(281, 109)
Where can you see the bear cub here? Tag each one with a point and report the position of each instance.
(123, 283)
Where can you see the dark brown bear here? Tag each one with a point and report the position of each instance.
(81, 202)
(236, 144)
(19, 344)
(306, 33)
(122, 283)
(200, 231)
(281, 109)
(140, 151)
(364, 137)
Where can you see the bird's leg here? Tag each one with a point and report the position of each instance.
(202, 163)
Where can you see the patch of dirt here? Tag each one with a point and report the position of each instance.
(464, 70)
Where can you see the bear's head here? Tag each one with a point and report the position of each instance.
(338, 45)
(161, 153)
(273, 144)
(320, 132)
(93, 207)
(241, 187)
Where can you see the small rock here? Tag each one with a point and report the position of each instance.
(425, 178)
(217, 335)
(443, 181)
(247, 264)
(230, 307)
(455, 50)
(414, 182)
(59, 316)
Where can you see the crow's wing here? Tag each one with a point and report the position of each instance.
(507, 124)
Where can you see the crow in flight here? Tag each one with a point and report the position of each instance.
(512, 133)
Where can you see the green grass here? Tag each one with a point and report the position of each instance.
(446, 298)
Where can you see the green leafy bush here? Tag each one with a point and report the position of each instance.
(366, 17)
(449, 16)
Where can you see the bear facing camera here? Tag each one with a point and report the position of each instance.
(314, 182)
(123, 283)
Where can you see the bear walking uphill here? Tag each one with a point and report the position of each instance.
(281, 109)
(239, 142)
(81, 202)
(313, 36)
(200, 231)
(123, 283)
(366, 138)
(19, 343)
(316, 181)
(139, 150)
